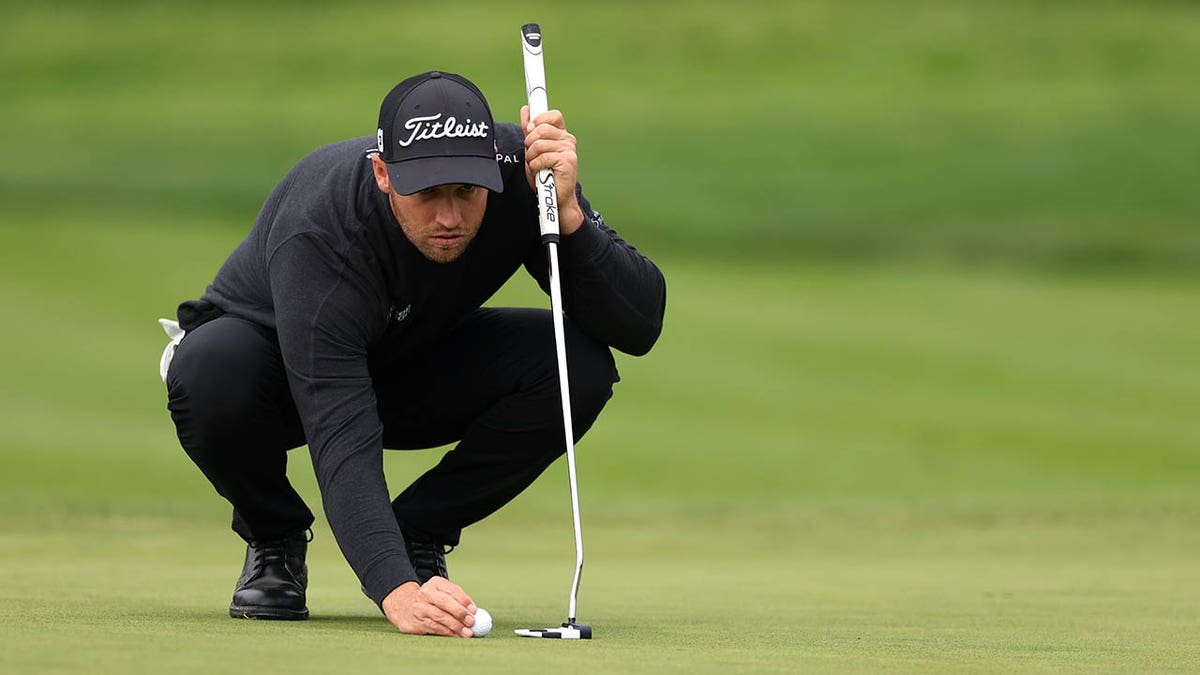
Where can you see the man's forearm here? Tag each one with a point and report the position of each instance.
(613, 292)
(360, 515)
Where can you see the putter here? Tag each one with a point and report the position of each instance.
(547, 196)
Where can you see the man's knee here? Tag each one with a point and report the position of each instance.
(225, 378)
(591, 374)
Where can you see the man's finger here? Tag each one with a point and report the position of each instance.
(542, 149)
(440, 607)
(552, 117)
(543, 145)
(562, 161)
(451, 598)
(544, 134)
(446, 622)
(450, 605)
(431, 626)
(454, 590)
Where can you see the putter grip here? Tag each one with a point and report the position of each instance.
(535, 93)
(535, 72)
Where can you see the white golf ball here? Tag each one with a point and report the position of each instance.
(483, 622)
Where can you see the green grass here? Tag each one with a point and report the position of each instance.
(1047, 133)
(910, 469)
(925, 400)
(1087, 587)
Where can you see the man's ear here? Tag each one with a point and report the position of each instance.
(381, 175)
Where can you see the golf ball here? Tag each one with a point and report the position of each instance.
(483, 622)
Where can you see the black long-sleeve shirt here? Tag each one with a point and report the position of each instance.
(327, 267)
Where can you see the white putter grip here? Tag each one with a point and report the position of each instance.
(535, 92)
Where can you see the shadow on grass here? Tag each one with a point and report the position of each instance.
(219, 617)
(374, 623)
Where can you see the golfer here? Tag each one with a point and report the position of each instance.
(350, 320)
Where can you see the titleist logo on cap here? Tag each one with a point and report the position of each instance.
(432, 126)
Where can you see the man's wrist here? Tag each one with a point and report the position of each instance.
(398, 595)
(570, 218)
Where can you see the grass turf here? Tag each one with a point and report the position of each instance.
(919, 469)
(1053, 133)
(944, 422)
(1082, 587)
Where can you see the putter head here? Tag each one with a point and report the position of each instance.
(568, 631)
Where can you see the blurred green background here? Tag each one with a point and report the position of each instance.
(926, 398)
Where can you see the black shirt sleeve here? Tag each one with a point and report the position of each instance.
(322, 315)
(613, 292)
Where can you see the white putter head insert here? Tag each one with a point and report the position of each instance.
(568, 631)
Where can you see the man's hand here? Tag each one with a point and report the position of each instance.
(439, 607)
(548, 145)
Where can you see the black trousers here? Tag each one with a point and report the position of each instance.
(492, 385)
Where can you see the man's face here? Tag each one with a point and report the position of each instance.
(442, 220)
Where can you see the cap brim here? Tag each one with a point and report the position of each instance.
(414, 175)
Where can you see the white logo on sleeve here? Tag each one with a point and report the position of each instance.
(433, 126)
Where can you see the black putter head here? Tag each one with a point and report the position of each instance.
(568, 631)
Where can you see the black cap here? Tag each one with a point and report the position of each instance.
(436, 128)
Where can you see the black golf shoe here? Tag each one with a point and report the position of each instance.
(428, 558)
(273, 581)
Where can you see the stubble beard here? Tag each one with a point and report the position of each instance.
(431, 251)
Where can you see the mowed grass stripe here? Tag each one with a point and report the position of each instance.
(1000, 131)
(925, 371)
(929, 594)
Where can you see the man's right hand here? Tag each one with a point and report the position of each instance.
(439, 607)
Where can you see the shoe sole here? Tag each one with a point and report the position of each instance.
(268, 613)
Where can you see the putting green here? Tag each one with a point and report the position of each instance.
(1088, 585)
(926, 399)
(916, 470)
